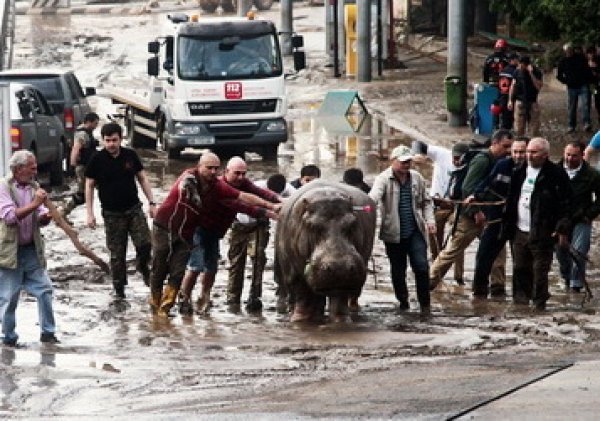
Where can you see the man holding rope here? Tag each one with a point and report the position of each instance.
(495, 188)
(472, 219)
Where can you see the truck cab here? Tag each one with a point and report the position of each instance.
(216, 83)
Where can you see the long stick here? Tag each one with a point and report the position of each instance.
(74, 237)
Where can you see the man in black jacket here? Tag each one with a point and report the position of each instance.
(573, 71)
(538, 213)
(584, 208)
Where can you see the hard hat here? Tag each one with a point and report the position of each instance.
(501, 43)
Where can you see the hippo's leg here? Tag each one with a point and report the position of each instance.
(353, 305)
(338, 308)
(302, 307)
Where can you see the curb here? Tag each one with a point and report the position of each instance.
(102, 10)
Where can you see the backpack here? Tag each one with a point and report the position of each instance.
(457, 177)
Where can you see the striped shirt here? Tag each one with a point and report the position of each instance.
(405, 210)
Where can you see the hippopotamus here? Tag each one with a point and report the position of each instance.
(323, 242)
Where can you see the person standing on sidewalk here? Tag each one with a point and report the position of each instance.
(573, 71)
(496, 187)
(472, 220)
(584, 207)
(249, 237)
(84, 146)
(406, 221)
(523, 97)
(22, 262)
(114, 170)
(539, 214)
(445, 163)
(213, 223)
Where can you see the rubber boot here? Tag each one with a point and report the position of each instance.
(154, 300)
(167, 301)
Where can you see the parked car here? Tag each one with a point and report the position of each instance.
(63, 92)
(34, 126)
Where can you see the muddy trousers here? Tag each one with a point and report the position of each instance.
(466, 232)
(118, 227)
(246, 240)
(436, 241)
(527, 118)
(170, 256)
(415, 248)
(532, 263)
(491, 249)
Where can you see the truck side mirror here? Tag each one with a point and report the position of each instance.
(153, 66)
(153, 47)
(89, 91)
(297, 41)
(299, 60)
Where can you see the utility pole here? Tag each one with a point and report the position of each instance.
(456, 80)
(243, 7)
(286, 27)
(363, 40)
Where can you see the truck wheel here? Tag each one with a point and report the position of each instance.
(263, 4)
(136, 140)
(269, 153)
(56, 168)
(209, 6)
(229, 6)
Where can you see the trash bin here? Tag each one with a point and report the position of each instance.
(350, 26)
(455, 94)
(485, 96)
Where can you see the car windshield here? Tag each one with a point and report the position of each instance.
(254, 57)
(48, 85)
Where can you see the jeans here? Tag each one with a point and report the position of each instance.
(30, 276)
(415, 248)
(491, 244)
(580, 240)
(574, 96)
(204, 257)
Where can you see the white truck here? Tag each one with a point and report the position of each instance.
(221, 87)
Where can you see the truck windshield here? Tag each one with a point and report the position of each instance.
(237, 57)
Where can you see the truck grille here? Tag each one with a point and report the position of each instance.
(233, 130)
(233, 107)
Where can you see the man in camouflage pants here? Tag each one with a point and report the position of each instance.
(114, 171)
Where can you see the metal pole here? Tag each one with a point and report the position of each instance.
(363, 40)
(286, 27)
(5, 147)
(379, 40)
(336, 40)
(457, 56)
(340, 29)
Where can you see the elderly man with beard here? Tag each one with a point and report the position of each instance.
(538, 214)
(584, 208)
(197, 199)
(212, 226)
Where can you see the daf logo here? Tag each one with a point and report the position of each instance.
(200, 107)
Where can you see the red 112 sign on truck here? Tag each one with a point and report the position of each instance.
(233, 90)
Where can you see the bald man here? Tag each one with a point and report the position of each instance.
(205, 254)
(198, 198)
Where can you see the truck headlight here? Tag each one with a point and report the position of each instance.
(186, 129)
(276, 126)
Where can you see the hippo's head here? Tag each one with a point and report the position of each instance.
(335, 266)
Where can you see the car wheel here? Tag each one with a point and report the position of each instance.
(209, 6)
(229, 6)
(57, 176)
(263, 4)
(136, 140)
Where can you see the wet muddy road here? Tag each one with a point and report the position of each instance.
(117, 359)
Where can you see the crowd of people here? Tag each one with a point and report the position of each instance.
(506, 192)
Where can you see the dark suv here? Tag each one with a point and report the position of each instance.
(62, 91)
(35, 127)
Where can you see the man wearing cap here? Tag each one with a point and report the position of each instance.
(406, 220)
(472, 219)
(526, 85)
(445, 163)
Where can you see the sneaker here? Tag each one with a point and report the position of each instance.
(576, 289)
(588, 128)
(119, 291)
(460, 281)
(497, 291)
(403, 305)
(49, 338)
(186, 308)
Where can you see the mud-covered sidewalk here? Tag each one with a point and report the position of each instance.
(118, 360)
